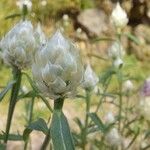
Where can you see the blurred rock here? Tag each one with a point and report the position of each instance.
(142, 51)
(94, 21)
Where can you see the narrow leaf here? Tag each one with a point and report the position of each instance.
(12, 137)
(97, 122)
(60, 132)
(6, 89)
(39, 125)
(133, 38)
(12, 16)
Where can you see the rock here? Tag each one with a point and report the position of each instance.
(142, 51)
(94, 21)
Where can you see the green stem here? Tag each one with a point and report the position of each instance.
(120, 104)
(84, 135)
(58, 104)
(13, 100)
(29, 119)
(46, 141)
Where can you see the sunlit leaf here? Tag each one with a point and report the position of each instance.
(60, 132)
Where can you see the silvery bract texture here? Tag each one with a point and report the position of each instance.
(116, 50)
(90, 79)
(18, 45)
(119, 17)
(113, 137)
(39, 36)
(57, 68)
(21, 3)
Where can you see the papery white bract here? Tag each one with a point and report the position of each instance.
(57, 68)
(119, 17)
(90, 79)
(21, 3)
(113, 137)
(39, 36)
(18, 45)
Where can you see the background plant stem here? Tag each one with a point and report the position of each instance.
(30, 115)
(84, 137)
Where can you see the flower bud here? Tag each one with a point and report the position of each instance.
(115, 51)
(18, 45)
(127, 86)
(57, 68)
(113, 137)
(118, 63)
(90, 79)
(109, 118)
(119, 17)
(144, 107)
(39, 36)
(21, 3)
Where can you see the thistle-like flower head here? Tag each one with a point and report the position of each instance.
(119, 17)
(18, 45)
(57, 68)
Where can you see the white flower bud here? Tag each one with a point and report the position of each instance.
(57, 68)
(109, 118)
(118, 63)
(43, 2)
(116, 50)
(21, 3)
(18, 45)
(39, 36)
(90, 79)
(113, 137)
(119, 17)
(65, 17)
(25, 90)
(144, 107)
(127, 86)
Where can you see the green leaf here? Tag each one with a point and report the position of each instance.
(98, 122)
(60, 132)
(39, 125)
(133, 38)
(12, 16)
(7, 88)
(2, 147)
(12, 137)
(105, 76)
